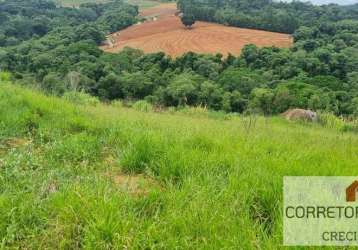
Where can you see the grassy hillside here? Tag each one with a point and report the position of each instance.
(108, 177)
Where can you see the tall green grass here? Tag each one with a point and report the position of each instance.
(210, 182)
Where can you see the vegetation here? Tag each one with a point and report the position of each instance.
(188, 17)
(278, 16)
(57, 51)
(76, 3)
(108, 177)
(142, 4)
(36, 22)
(79, 173)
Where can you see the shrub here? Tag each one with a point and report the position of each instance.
(195, 111)
(140, 154)
(350, 126)
(200, 111)
(117, 104)
(171, 110)
(143, 106)
(80, 98)
(329, 120)
(5, 76)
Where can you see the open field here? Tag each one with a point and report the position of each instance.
(108, 177)
(160, 11)
(166, 33)
(143, 4)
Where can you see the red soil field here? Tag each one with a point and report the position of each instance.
(161, 10)
(166, 33)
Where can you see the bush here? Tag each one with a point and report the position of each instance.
(117, 104)
(329, 120)
(140, 154)
(81, 98)
(195, 111)
(350, 126)
(171, 110)
(143, 106)
(4, 76)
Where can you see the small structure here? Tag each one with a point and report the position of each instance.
(300, 114)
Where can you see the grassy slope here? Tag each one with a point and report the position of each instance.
(205, 182)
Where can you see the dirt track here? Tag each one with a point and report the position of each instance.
(165, 32)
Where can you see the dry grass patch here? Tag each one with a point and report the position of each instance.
(137, 185)
(16, 142)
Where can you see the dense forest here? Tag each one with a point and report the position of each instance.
(31, 19)
(267, 15)
(56, 48)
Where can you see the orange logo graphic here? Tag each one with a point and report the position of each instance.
(351, 192)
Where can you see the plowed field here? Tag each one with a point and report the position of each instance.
(165, 32)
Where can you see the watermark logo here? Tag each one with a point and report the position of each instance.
(320, 211)
(351, 192)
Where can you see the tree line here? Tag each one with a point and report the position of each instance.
(319, 72)
(269, 15)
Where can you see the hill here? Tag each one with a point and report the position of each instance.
(107, 177)
(57, 49)
(163, 31)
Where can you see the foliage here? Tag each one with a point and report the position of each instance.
(278, 16)
(24, 20)
(143, 106)
(117, 104)
(81, 98)
(87, 176)
(320, 72)
(4, 76)
(329, 120)
(188, 19)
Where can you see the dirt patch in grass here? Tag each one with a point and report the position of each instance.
(11, 143)
(137, 185)
(14, 143)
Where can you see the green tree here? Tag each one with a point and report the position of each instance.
(183, 90)
(188, 15)
(261, 101)
(109, 87)
(136, 85)
(188, 19)
(53, 84)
